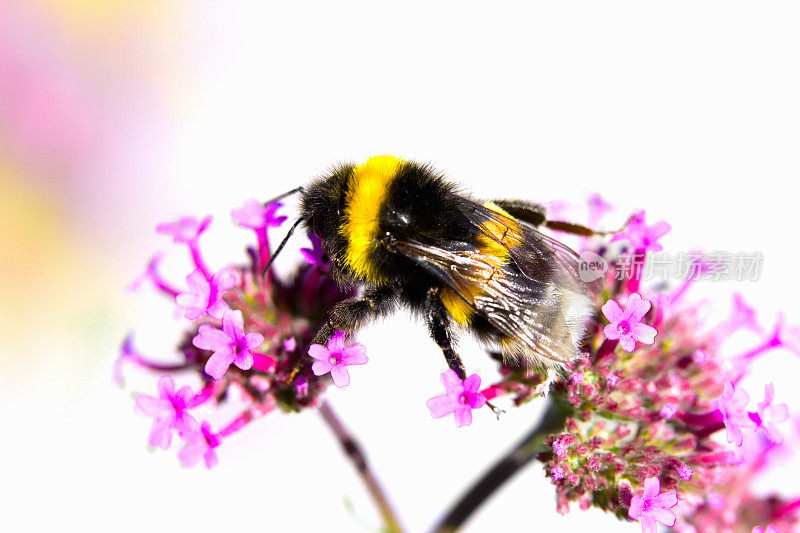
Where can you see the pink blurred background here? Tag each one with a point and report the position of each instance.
(116, 115)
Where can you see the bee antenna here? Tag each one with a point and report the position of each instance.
(284, 195)
(281, 245)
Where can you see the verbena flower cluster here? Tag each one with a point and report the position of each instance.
(656, 426)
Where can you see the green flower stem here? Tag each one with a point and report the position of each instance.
(512, 462)
(352, 449)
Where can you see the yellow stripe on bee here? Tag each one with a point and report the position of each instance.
(494, 241)
(368, 187)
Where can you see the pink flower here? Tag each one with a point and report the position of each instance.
(205, 296)
(200, 444)
(460, 398)
(651, 507)
(169, 411)
(732, 406)
(641, 236)
(315, 255)
(768, 415)
(230, 345)
(185, 230)
(626, 326)
(256, 216)
(770, 529)
(335, 358)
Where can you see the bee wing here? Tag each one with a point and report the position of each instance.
(536, 299)
(539, 257)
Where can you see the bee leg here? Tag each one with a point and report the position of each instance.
(496, 410)
(535, 215)
(351, 314)
(438, 322)
(530, 212)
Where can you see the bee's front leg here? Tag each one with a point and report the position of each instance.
(438, 321)
(351, 314)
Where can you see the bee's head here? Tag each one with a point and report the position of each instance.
(323, 205)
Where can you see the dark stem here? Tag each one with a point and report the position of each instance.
(512, 462)
(353, 451)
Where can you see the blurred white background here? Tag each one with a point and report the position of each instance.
(687, 109)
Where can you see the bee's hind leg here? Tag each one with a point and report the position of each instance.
(438, 321)
(536, 215)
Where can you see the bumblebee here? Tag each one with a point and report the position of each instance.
(409, 237)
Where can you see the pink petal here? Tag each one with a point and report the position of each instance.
(734, 434)
(218, 364)
(441, 405)
(210, 458)
(652, 486)
(463, 415)
(644, 333)
(318, 351)
(637, 504)
(160, 434)
(253, 340)
(659, 229)
(233, 324)
(321, 367)
(639, 306)
(166, 387)
(627, 343)
(648, 524)
(611, 332)
(452, 383)
(198, 284)
(152, 406)
(664, 516)
(355, 355)
(477, 400)
(666, 500)
(244, 360)
(773, 433)
(472, 383)
(190, 454)
(336, 344)
(210, 338)
(225, 279)
(341, 378)
(613, 312)
(215, 311)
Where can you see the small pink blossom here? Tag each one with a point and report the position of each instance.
(301, 387)
(770, 529)
(230, 345)
(732, 406)
(169, 410)
(641, 236)
(254, 215)
(204, 296)
(626, 325)
(336, 357)
(185, 230)
(768, 415)
(290, 344)
(668, 411)
(652, 508)
(460, 398)
(200, 444)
